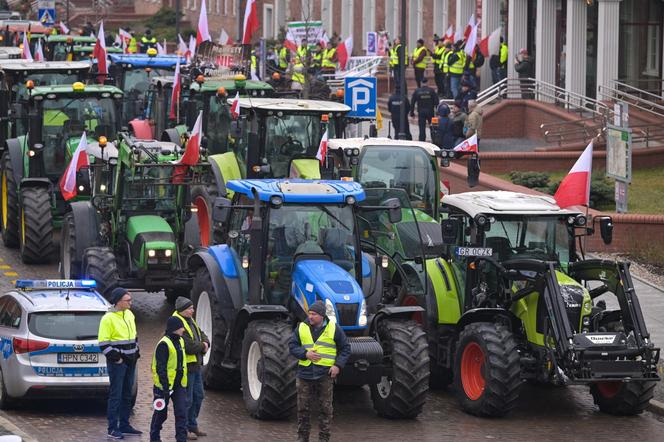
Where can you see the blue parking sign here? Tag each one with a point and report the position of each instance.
(360, 96)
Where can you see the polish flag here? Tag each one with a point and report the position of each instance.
(63, 28)
(175, 93)
(99, 53)
(225, 39)
(322, 148)
(124, 34)
(182, 47)
(449, 34)
(290, 43)
(191, 152)
(471, 41)
(344, 52)
(39, 54)
(469, 27)
(192, 47)
(160, 49)
(26, 48)
(78, 160)
(235, 106)
(467, 145)
(574, 189)
(202, 34)
(491, 44)
(250, 22)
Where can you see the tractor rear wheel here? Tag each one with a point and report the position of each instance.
(37, 244)
(70, 268)
(487, 370)
(9, 203)
(402, 395)
(211, 321)
(268, 374)
(99, 263)
(622, 398)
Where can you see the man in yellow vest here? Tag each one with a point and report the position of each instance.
(396, 58)
(196, 344)
(437, 57)
(117, 341)
(283, 57)
(457, 64)
(169, 374)
(330, 58)
(420, 58)
(322, 350)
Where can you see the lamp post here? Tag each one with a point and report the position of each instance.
(177, 22)
(403, 120)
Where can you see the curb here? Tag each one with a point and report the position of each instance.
(6, 423)
(646, 282)
(656, 407)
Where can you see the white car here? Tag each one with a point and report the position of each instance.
(48, 333)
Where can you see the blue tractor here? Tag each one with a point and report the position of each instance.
(286, 244)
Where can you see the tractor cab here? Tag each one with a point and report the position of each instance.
(61, 47)
(10, 53)
(12, 30)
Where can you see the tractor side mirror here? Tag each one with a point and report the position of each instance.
(221, 209)
(473, 170)
(450, 228)
(394, 210)
(373, 131)
(606, 229)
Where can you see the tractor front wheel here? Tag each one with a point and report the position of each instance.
(9, 203)
(268, 374)
(487, 370)
(37, 244)
(402, 394)
(99, 263)
(622, 398)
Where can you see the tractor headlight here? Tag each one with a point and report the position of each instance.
(362, 321)
(330, 312)
(152, 253)
(168, 253)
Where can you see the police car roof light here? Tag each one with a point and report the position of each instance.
(55, 284)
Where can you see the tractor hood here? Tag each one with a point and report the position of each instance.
(93, 149)
(149, 232)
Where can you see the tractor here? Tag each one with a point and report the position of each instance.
(287, 243)
(33, 163)
(522, 303)
(61, 47)
(135, 236)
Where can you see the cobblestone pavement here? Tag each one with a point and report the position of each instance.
(545, 413)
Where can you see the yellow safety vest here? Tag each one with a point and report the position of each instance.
(394, 55)
(446, 66)
(283, 58)
(296, 76)
(457, 67)
(327, 58)
(133, 45)
(416, 54)
(503, 53)
(171, 367)
(190, 358)
(117, 331)
(254, 62)
(301, 54)
(439, 52)
(324, 346)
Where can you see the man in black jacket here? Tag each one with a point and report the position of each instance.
(426, 101)
(322, 350)
(394, 106)
(525, 67)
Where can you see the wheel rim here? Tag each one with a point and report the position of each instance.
(384, 387)
(609, 389)
(4, 200)
(204, 320)
(472, 365)
(203, 220)
(253, 379)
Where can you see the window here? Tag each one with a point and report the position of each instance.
(217, 6)
(10, 313)
(268, 21)
(346, 18)
(193, 4)
(226, 6)
(65, 325)
(327, 15)
(652, 51)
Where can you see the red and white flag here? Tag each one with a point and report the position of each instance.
(202, 34)
(175, 93)
(344, 51)
(160, 49)
(192, 151)
(78, 160)
(192, 47)
(39, 54)
(469, 27)
(235, 106)
(290, 43)
(63, 28)
(574, 189)
(467, 145)
(449, 34)
(26, 55)
(322, 148)
(182, 47)
(250, 22)
(471, 41)
(99, 53)
(491, 44)
(124, 34)
(224, 38)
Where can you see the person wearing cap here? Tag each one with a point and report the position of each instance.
(118, 342)
(444, 137)
(322, 350)
(169, 375)
(148, 41)
(196, 344)
(426, 101)
(419, 60)
(397, 57)
(525, 67)
(437, 57)
(466, 94)
(394, 105)
(458, 118)
(456, 63)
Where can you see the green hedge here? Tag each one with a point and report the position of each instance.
(601, 188)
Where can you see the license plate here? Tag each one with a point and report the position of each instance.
(474, 251)
(78, 358)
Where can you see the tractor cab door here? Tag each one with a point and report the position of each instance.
(457, 234)
(238, 241)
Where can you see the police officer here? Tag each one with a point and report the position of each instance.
(322, 350)
(396, 59)
(419, 60)
(196, 344)
(394, 105)
(426, 101)
(148, 41)
(117, 341)
(169, 374)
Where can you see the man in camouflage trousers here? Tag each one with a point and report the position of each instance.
(322, 349)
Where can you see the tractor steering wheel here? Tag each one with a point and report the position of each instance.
(291, 147)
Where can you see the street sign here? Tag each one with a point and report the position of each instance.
(46, 12)
(619, 153)
(360, 96)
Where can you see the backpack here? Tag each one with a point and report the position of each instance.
(479, 59)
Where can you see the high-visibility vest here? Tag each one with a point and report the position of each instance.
(133, 45)
(394, 55)
(254, 61)
(446, 56)
(416, 53)
(327, 58)
(317, 59)
(503, 53)
(171, 366)
(302, 54)
(439, 52)
(283, 58)
(296, 76)
(460, 64)
(117, 331)
(324, 346)
(190, 358)
(145, 40)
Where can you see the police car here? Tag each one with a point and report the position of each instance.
(48, 333)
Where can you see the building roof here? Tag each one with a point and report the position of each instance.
(361, 143)
(292, 104)
(299, 191)
(498, 202)
(22, 65)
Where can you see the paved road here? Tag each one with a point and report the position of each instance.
(545, 413)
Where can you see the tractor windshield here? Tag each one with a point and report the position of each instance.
(43, 79)
(149, 189)
(218, 129)
(537, 237)
(290, 135)
(407, 168)
(136, 84)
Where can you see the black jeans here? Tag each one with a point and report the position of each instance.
(419, 76)
(440, 82)
(179, 399)
(422, 121)
(121, 378)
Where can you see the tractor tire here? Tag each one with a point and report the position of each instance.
(622, 398)
(202, 197)
(405, 346)
(37, 244)
(487, 370)
(212, 323)
(268, 373)
(8, 203)
(99, 263)
(70, 268)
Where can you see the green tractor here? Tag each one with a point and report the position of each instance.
(32, 164)
(136, 235)
(61, 47)
(522, 303)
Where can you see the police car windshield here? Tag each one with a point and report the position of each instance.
(65, 325)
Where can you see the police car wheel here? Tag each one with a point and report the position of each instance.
(5, 401)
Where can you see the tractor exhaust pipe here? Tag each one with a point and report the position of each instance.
(255, 252)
